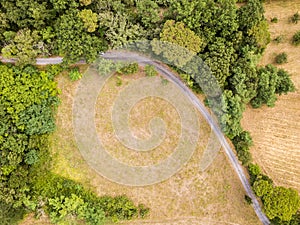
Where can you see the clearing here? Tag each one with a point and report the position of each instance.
(215, 196)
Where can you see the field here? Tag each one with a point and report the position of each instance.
(215, 196)
(276, 131)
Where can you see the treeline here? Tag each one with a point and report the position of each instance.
(28, 99)
(74, 29)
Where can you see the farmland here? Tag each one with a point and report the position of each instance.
(276, 131)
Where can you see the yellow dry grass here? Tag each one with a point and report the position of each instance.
(276, 131)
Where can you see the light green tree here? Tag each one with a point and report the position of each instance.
(89, 19)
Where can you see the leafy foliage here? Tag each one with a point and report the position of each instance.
(89, 19)
(150, 71)
(75, 74)
(27, 102)
(271, 82)
(281, 58)
(131, 68)
(71, 35)
(176, 33)
(242, 144)
(274, 20)
(24, 46)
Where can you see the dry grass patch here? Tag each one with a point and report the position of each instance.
(215, 196)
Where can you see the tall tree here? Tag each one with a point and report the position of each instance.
(24, 47)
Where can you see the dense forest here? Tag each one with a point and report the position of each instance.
(229, 38)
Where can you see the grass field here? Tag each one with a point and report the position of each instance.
(276, 131)
(215, 196)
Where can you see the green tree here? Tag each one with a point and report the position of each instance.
(118, 29)
(271, 82)
(219, 58)
(231, 114)
(282, 203)
(266, 87)
(284, 83)
(261, 34)
(178, 34)
(262, 188)
(244, 79)
(150, 71)
(73, 42)
(148, 12)
(24, 47)
(89, 19)
(296, 38)
(209, 19)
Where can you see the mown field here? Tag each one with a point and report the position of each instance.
(276, 131)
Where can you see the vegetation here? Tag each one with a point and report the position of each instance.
(281, 58)
(274, 20)
(28, 101)
(150, 71)
(295, 18)
(280, 204)
(229, 39)
(278, 39)
(131, 68)
(75, 74)
(296, 38)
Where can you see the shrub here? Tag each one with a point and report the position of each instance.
(75, 74)
(129, 69)
(248, 200)
(278, 39)
(119, 81)
(295, 18)
(150, 71)
(296, 38)
(143, 211)
(274, 20)
(281, 58)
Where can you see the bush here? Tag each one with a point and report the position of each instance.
(143, 211)
(278, 39)
(129, 69)
(274, 20)
(150, 71)
(119, 81)
(296, 38)
(248, 200)
(75, 74)
(281, 58)
(295, 18)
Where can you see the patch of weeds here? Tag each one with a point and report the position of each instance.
(274, 20)
(150, 71)
(279, 39)
(164, 81)
(75, 74)
(119, 81)
(296, 38)
(295, 18)
(281, 58)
